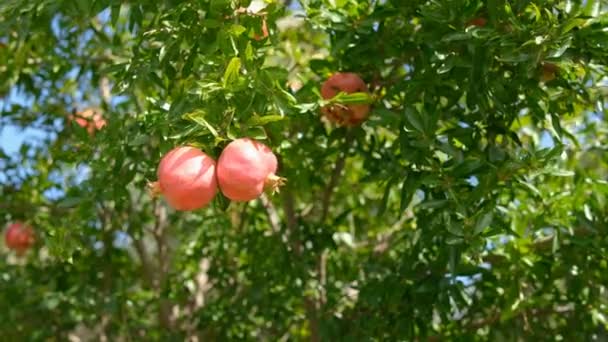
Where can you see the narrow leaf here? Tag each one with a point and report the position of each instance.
(199, 118)
(232, 71)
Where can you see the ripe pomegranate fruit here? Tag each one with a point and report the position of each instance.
(90, 118)
(246, 167)
(186, 178)
(348, 115)
(19, 237)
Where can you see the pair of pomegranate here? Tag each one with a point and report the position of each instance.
(90, 118)
(189, 179)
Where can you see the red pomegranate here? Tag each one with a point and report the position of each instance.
(246, 167)
(186, 178)
(90, 118)
(19, 237)
(348, 115)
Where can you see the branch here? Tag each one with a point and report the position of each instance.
(495, 317)
(541, 244)
(106, 218)
(292, 220)
(271, 212)
(322, 271)
(159, 232)
(146, 265)
(313, 319)
(104, 89)
(160, 237)
(335, 177)
(546, 242)
(138, 244)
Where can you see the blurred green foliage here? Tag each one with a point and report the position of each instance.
(470, 206)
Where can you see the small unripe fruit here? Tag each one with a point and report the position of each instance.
(549, 71)
(90, 118)
(186, 178)
(19, 237)
(348, 115)
(479, 22)
(257, 37)
(245, 168)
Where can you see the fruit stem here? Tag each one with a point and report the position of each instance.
(154, 189)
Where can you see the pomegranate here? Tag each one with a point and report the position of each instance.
(19, 237)
(246, 167)
(549, 71)
(186, 178)
(90, 118)
(479, 22)
(348, 115)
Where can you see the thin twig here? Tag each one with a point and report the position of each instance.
(242, 218)
(322, 258)
(292, 220)
(160, 237)
(313, 319)
(335, 177)
(104, 90)
(140, 248)
(271, 212)
(495, 317)
(145, 261)
(322, 271)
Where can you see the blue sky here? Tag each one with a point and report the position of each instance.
(11, 137)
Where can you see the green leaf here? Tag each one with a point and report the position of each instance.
(483, 222)
(557, 127)
(249, 52)
(592, 9)
(561, 173)
(385, 197)
(219, 5)
(433, 204)
(199, 117)
(555, 243)
(139, 140)
(352, 98)
(221, 202)
(408, 189)
(115, 13)
(456, 36)
(231, 74)
(530, 187)
(70, 202)
(414, 120)
(263, 120)
(257, 133)
(237, 30)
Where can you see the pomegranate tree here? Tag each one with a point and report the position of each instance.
(245, 168)
(186, 178)
(19, 237)
(348, 115)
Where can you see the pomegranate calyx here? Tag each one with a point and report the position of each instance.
(273, 183)
(154, 189)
